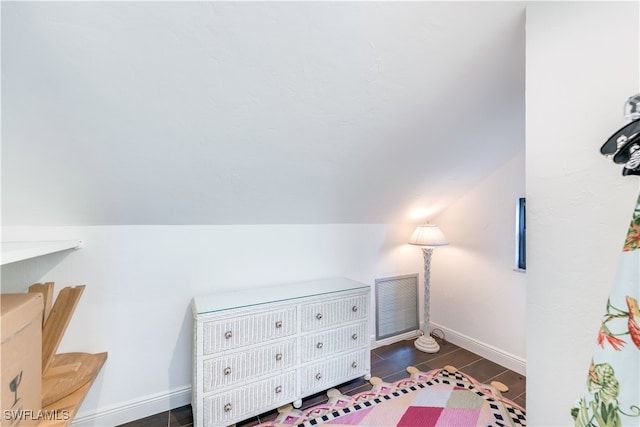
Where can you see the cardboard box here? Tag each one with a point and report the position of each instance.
(21, 358)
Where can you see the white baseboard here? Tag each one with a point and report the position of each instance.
(487, 351)
(161, 402)
(136, 409)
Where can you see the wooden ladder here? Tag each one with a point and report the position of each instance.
(66, 377)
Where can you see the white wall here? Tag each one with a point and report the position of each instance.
(140, 280)
(582, 65)
(476, 293)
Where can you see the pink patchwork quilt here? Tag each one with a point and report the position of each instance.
(435, 398)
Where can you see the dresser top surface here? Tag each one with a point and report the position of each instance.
(227, 300)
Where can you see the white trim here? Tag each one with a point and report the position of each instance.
(487, 351)
(161, 402)
(136, 409)
(406, 336)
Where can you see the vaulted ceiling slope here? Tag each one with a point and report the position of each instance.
(254, 112)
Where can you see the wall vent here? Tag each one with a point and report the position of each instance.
(396, 306)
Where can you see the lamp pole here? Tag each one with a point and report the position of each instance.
(426, 342)
(427, 236)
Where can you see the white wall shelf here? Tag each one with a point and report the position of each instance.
(18, 251)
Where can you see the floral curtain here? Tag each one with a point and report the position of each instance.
(612, 395)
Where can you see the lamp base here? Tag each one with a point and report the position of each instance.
(427, 344)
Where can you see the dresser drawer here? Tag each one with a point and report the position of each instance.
(233, 368)
(333, 341)
(220, 409)
(332, 312)
(234, 332)
(319, 376)
(257, 349)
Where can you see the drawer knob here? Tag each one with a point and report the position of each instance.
(227, 371)
(318, 376)
(354, 308)
(278, 324)
(354, 365)
(279, 389)
(319, 345)
(354, 336)
(279, 356)
(319, 316)
(228, 334)
(227, 407)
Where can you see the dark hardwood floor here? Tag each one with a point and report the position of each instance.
(389, 363)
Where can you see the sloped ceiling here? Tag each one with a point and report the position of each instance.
(250, 113)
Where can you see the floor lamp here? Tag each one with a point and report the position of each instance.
(427, 236)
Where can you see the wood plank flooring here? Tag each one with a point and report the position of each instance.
(389, 363)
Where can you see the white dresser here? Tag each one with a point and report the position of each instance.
(257, 349)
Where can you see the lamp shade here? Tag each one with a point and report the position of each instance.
(428, 235)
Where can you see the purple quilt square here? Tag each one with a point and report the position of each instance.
(456, 417)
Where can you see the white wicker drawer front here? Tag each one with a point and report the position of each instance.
(236, 332)
(328, 313)
(232, 368)
(319, 376)
(333, 341)
(221, 409)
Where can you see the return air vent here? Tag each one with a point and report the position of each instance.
(396, 306)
